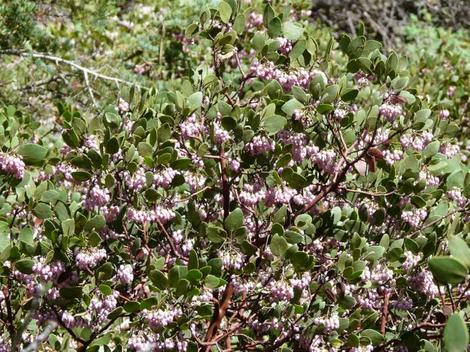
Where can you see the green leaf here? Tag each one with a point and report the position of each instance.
(431, 149)
(215, 233)
(455, 179)
(105, 289)
(294, 179)
(459, 249)
(298, 50)
(273, 124)
(97, 222)
(190, 30)
(392, 61)
(291, 106)
(182, 287)
(234, 220)
(350, 95)
(112, 146)
(32, 153)
(278, 245)
(26, 236)
(131, 307)
(455, 334)
(195, 100)
(212, 281)
(447, 270)
(81, 175)
(292, 31)
(275, 27)
(25, 266)
(418, 201)
(105, 271)
(68, 227)
(268, 14)
(194, 276)
(145, 149)
(71, 138)
(330, 93)
(103, 340)
(400, 83)
(300, 260)
(374, 336)
(42, 211)
(115, 313)
(259, 40)
(71, 292)
(158, 279)
(325, 108)
(378, 217)
(422, 114)
(225, 11)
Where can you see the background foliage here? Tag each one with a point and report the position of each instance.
(223, 175)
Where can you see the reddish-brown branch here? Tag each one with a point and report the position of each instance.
(219, 314)
(340, 176)
(225, 183)
(383, 323)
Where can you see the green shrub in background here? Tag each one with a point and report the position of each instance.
(16, 22)
(238, 180)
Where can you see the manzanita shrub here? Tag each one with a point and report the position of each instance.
(290, 193)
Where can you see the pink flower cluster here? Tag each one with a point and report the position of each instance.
(194, 180)
(125, 274)
(423, 283)
(301, 282)
(88, 259)
(12, 165)
(414, 217)
(281, 291)
(110, 213)
(232, 261)
(444, 114)
(326, 160)
(161, 214)
(96, 198)
(123, 106)
(285, 45)
(391, 156)
(279, 195)
(102, 306)
(431, 181)
(449, 150)
(192, 127)
(287, 80)
(255, 20)
(380, 274)
(411, 260)
(136, 181)
(390, 111)
(330, 324)
(164, 178)
(48, 272)
(417, 143)
(220, 134)
(161, 318)
(260, 145)
(71, 321)
(457, 196)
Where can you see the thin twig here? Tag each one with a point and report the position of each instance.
(170, 242)
(59, 60)
(33, 346)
